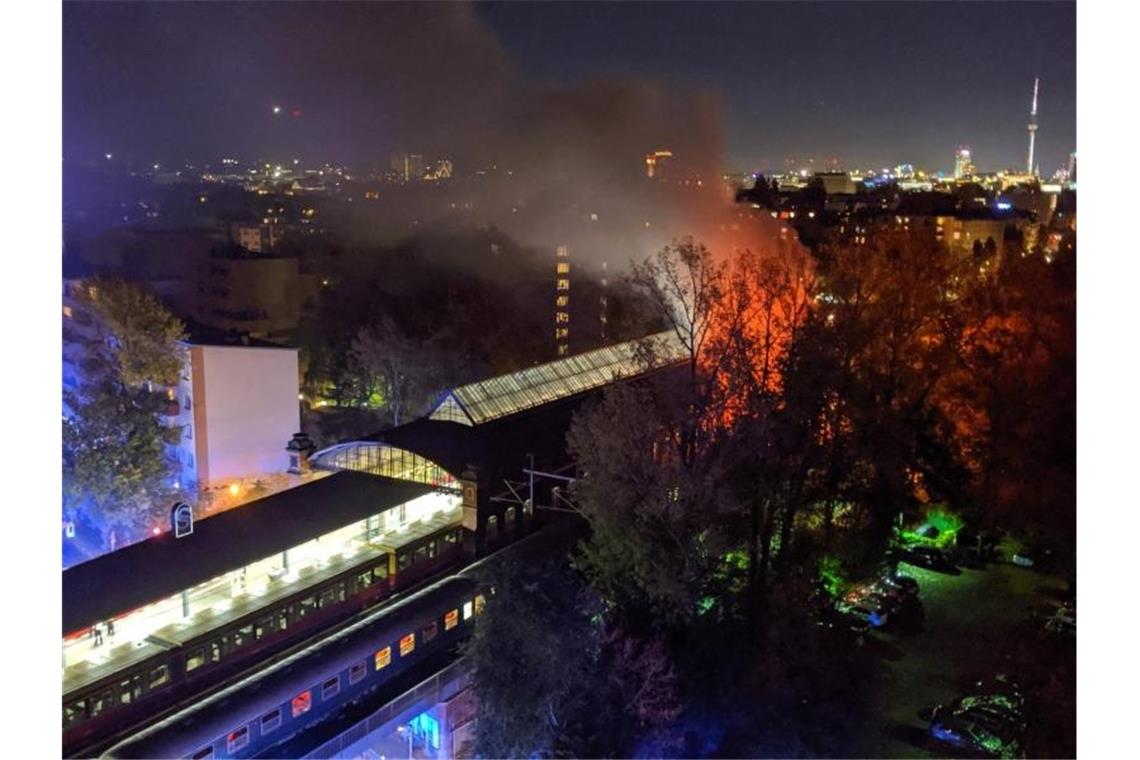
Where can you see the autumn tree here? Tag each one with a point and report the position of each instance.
(591, 700)
(400, 372)
(114, 443)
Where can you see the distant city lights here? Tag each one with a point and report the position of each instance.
(276, 110)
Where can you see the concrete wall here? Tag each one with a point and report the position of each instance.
(245, 409)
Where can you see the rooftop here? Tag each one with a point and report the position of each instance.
(162, 566)
(496, 397)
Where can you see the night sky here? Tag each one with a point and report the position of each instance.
(870, 84)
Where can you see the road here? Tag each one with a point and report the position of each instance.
(971, 622)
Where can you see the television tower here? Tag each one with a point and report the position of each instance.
(1032, 129)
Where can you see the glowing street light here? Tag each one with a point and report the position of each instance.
(276, 110)
(234, 489)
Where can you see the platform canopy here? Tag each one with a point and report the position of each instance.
(496, 397)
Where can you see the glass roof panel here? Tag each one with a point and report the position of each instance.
(507, 394)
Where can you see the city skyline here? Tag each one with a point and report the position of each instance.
(765, 83)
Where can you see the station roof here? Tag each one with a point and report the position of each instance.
(497, 397)
(157, 568)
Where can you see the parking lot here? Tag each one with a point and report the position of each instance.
(975, 625)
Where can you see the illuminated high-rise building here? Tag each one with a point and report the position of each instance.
(562, 301)
(1073, 166)
(963, 166)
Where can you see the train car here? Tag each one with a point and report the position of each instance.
(287, 697)
(136, 677)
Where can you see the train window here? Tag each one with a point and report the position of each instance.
(357, 671)
(402, 561)
(75, 712)
(203, 753)
(270, 721)
(467, 610)
(451, 537)
(302, 702)
(380, 572)
(195, 660)
(327, 597)
(420, 555)
(304, 607)
(383, 658)
(430, 632)
(431, 549)
(100, 703)
(130, 690)
(407, 644)
(480, 603)
(364, 580)
(283, 620)
(262, 628)
(450, 620)
(235, 740)
(330, 688)
(159, 676)
(492, 528)
(509, 517)
(240, 637)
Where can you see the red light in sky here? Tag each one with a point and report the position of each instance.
(295, 113)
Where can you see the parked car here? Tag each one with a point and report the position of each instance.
(1000, 686)
(869, 607)
(1022, 558)
(846, 622)
(929, 557)
(903, 583)
(980, 725)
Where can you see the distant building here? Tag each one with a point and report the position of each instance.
(259, 238)
(562, 301)
(252, 293)
(963, 164)
(407, 166)
(836, 182)
(1073, 167)
(656, 162)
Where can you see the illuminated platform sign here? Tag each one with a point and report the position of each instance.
(181, 519)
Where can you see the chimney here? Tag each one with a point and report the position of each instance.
(299, 448)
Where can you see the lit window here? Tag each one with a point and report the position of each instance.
(383, 658)
(450, 620)
(563, 284)
(330, 688)
(563, 267)
(237, 739)
(480, 603)
(67, 312)
(561, 317)
(407, 644)
(562, 301)
(302, 702)
(467, 610)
